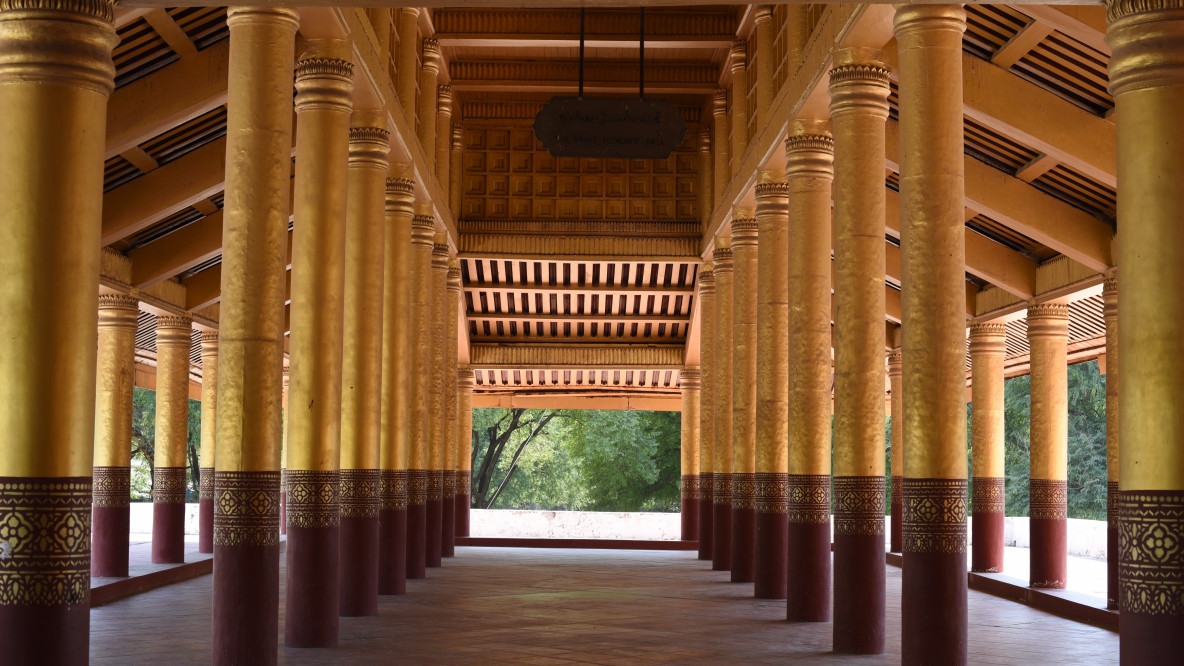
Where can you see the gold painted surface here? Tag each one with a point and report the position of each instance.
(209, 405)
(396, 317)
(246, 508)
(896, 382)
(407, 27)
(744, 352)
(1113, 374)
(55, 78)
(115, 380)
(173, 341)
(723, 168)
(987, 351)
(312, 498)
(722, 442)
(324, 85)
(1149, 525)
(929, 46)
(456, 170)
(429, 68)
(464, 428)
(422, 236)
(772, 335)
(361, 378)
(1048, 337)
(437, 437)
(809, 155)
(739, 115)
(451, 424)
(443, 134)
(1147, 43)
(858, 108)
(765, 57)
(45, 526)
(254, 244)
(706, 178)
(689, 385)
(707, 368)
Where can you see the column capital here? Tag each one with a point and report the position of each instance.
(911, 19)
(689, 379)
(400, 195)
(1110, 297)
(768, 194)
(988, 339)
(895, 362)
(431, 56)
(810, 149)
(465, 378)
(454, 274)
(722, 256)
(719, 105)
(859, 83)
(744, 232)
(1048, 320)
(423, 230)
(458, 136)
(707, 279)
(705, 140)
(118, 311)
(209, 338)
(444, 99)
(324, 77)
(369, 146)
(440, 252)
(738, 56)
(174, 330)
(412, 11)
(762, 14)
(36, 46)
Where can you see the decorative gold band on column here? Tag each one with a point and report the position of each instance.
(168, 485)
(1048, 499)
(896, 487)
(431, 55)
(1111, 500)
(859, 87)
(45, 541)
(311, 499)
(34, 50)
(744, 233)
(393, 490)
(1151, 569)
(205, 485)
(360, 493)
(810, 153)
(743, 490)
(721, 488)
(447, 484)
(934, 515)
(458, 136)
(772, 492)
(987, 494)
(324, 84)
(247, 508)
(112, 487)
(400, 196)
(987, 340)
(417, 487)
(808, 497)
(369, 146)
(118, 311)
(464, 482)
(707, 486)
(434, 485)
(689, 490)
(859, 505)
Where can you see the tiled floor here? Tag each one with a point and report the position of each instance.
(548, 606)
(140, 558)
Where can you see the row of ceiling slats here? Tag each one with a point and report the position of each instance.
(146, 337)
(517, 378)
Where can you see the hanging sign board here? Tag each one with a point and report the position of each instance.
(605, 127)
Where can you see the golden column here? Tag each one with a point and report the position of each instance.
(688, 382)
(744, 307)
(55, 78)
(1110, 314)
(423, 231)
(324, 100)
(858, 109)
(443, 134)
(1048, 338)
(772, 388)
(988, 346)
(1147, 40)
(464, 430)
(706, 200)
(396, 388)
(706, 409)
(429, 67)
(929, 39)
(738, 66)
(407, 28)
(723, 168)
(174, 337)
(438, 323)
(456, 170)
(721, 541)
(766, 63)
(809, 171)
(896, 382)
(448, 444)
(209, 441)
(361, 380)
(111, 513)
(251, 335)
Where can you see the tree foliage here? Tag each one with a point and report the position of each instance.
(144, 445)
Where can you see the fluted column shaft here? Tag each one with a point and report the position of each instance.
(744, 363)
(207, 457)
(429, 67)
(422, 236)
(688, 383)
(449, 440)
(896, 382)
(766, 63)
(324, 101)
(706, 178)
(721, 542)
(455, 170)
(395, 437)
(111, 510)
(739, 122)
(772, 390)
(443, 136)
(706, 410)
(988, 347)
(464, 434)
(437, 436)
(929, 42)
(173, 341)
(1113, 379)
(1048, 338)
(407, 28)
(723, 167)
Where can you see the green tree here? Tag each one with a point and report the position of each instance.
(144, 445)
(496, 431)
(1087, 442)
(630, 460)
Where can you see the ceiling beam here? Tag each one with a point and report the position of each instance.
(177, 252)
(561, 356)
(576, 318)
(1085, 23)
(599, 76)
(203, 289)
(433, 4)
(578, 289)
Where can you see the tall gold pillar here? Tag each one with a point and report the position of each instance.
(772, 388)
(1113, 378)
(380, 21)
(111, 512)
(361, 379)
(448, 444)
(324, 101)
(766, 62)
(1048, 338)
(456, 170)
(423, 231)
(809, 171)
(209, 441)
(706, 409)
(929, 44)
(1147, 42)
(723, 168)
(744, 362)
(174, 337)
(55, 77)
(988, 347)
(721, 542)
(464, 430)
(858, 109)
(438, 325)
(395, 435)
(706, 198)
(407, 28)
(688, 383)
(739, 68)
(251, 335)
(443, 134)
(429, 67)
(896, 384)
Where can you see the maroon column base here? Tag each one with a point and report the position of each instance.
(110, 528)
(721, 538)
(205, 525)
(434, 517)
(359, 566)
(35, 634)
(310, 608)
(772, 542)
(860, 600)
(463, 501)
(933, 587)
(1049, 553)
(1112, 592)
(896, 533)
(689, 508)
(416, 536)
(283, 509)
(986, 554)
(743, 544)
(448, 527)
(1151, 576)
(392, 551)
(168, 533)
(808, 572)
(706, 516)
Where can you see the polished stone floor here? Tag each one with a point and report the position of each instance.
(550, 606)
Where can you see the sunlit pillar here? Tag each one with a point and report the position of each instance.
(423, 232)
(444, 135)
(721, 542)
(723, 168)
(744, 364)
(407, 28)
(448, 441)
(464, 434)
(739, 122)
(438, 322)
(688, 383)
(933, 604)
(988, 347)
(706, 409)
(766, 62)
(209, 441)
(1113, 379)
(429, 67)
(455, 170)
(706, 178)
(174, 337)
(1048, 338)
(111, 513)
(896, 384)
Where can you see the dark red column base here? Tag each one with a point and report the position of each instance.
(933, 586)
(416, 535)
(706, 516)
(284, 503)
(110, 529)
(448, 527)
(689, 524)
(1049, 553)
(772, 542)
(463, 501)
(721, 538)
(896, 531)
(433, 522)
(1112, 592)
(392, 551)
(34, 634)
(310, 607)
(808, 572)
(247, 573)
(359, 566)
(743, 544)
(860, 600)
(205, 525)
(168, 533)
(986, 550)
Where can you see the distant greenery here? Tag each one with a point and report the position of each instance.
(144, 445)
